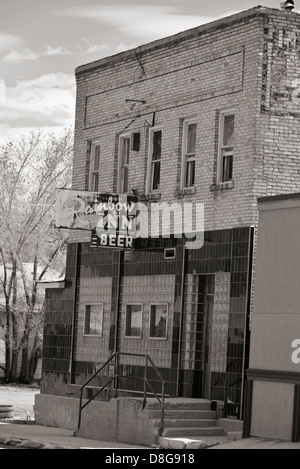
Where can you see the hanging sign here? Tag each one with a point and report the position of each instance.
(82, 210)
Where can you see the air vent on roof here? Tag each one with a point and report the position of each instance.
(289, 6)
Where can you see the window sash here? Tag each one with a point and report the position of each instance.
(227, 121)
(95, 182)
(93, 319)
(156, 150)
(124, 180)
(191, 138)
(124, 164)
(155, 163)
(190, 172)
(155, 175)
(94, 167)
(189, 154)
(228, 130)
(133, 320)
(158, 321)
(227, 161)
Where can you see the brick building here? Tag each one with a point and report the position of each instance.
(208, 116)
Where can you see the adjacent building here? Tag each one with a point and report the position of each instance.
(206, 119)
(272, 406)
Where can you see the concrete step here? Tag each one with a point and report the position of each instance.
(185, 432)
(189, 423)
(198, 404)
(183, 414)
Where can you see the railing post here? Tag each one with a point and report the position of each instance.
(145, 381)
(163, 405)
(79, 410)
(116, 375)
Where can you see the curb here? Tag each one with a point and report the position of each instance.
(181, 443)
(31, 444)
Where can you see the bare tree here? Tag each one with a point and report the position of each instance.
(31, 168)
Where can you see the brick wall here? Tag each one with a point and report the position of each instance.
(276, 166)
(249, 63)
(193, 74)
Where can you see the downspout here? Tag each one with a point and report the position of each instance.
(120, 262)
(77, 253)
(248, 301)
(119, 273)
(180, 320)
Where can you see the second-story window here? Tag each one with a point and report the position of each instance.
(124, 148)
(226, 144)
(189, 154)
(154, 160)
(94, 167)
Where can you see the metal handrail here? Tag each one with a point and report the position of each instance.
(115, 377)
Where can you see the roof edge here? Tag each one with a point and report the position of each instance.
(276, 198)
(257, 11)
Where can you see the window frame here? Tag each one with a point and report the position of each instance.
(184, 155)
(84, 319)
(141, 329)
(120, 181)
(150, 172)
(92, 170)
(222, 148)
(150, 321)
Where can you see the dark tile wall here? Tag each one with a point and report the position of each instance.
(58, 331)
(227, 251)
(224, 251)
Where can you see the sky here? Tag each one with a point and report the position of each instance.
(42, 42)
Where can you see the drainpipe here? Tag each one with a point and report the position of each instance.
(120, 261)
(180, 320)
(119, 274)
(74, 316)
(248, 302)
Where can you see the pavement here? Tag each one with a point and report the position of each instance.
(30, 435)
(26, 434)
(22, 432)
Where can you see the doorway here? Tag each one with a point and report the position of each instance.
(207, 344)
(197, 344)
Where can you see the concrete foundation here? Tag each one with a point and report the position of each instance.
(120, 419)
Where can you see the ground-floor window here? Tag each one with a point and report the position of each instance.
(93, 319)
(158, 321)
(133, 321)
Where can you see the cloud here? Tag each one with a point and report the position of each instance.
(48, 81)
(19, 56)
(103, 50)
(24, 54)
(93, 48)
(59, 50)
(147, 22)
(7, 41)
(48, 100)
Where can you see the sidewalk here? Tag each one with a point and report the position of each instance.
(29, 435)
(19, 432)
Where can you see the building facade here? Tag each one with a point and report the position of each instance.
(272, 405)
(207, 118)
